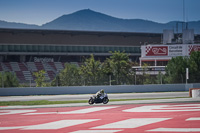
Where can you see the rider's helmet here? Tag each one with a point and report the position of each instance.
(102, 91)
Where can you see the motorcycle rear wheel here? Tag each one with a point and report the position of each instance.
(91, 101)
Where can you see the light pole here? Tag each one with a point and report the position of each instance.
(110, 79)
(30, 82)
(135, 78)
(2, 73)
(57, 77)
(187, 74)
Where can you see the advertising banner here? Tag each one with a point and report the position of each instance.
(192, 48)
(169, 50)
(176, 50)
(156, 51)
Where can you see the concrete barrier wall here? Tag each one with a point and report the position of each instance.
(94, 89)
(196, 93)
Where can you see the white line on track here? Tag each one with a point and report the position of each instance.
(51, 125)
(165, 108)
(176, 130)
(96, 131)
(10, 112)
(131, 123)
(88, 110)
(80, 111)
(194, 119)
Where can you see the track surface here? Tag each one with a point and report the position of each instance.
(138, 118)
(86, 96)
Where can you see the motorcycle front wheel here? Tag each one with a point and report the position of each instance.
(105, 100)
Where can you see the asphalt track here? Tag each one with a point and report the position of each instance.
(86, 97)
(139, 116)
(129, 118)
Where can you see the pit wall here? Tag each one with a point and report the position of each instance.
(94, 89)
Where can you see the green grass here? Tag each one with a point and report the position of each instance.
(40, 102)
(146, 99)
(45, 102)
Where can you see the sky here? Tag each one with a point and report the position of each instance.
(42, 11)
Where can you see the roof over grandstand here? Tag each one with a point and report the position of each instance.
(74, 32)
(66, 37)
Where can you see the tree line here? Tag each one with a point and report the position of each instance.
(115, 70)
(176, 69)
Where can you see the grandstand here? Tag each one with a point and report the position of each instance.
(24, 51)
(24, 70)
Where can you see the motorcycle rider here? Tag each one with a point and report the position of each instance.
(100, 94)
(99, 97)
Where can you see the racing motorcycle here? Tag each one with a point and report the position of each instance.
(96, 99)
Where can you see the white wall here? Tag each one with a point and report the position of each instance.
(94, 89)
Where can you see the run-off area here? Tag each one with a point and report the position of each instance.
(152, 118)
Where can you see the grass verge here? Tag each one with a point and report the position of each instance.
(40, 102)
(46, 102)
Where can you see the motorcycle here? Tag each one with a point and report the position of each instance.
(96, 99)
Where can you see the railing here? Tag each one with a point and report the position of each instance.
(68, 49)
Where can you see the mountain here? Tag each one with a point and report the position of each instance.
(4, 24)
(88, 20)
(94, 21)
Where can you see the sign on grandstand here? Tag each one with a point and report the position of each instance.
(169, 50)
(45, 59)
(177, 50)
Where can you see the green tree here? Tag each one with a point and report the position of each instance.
(146, 78)
(40, 78)
(56, 81)
(194, 67)
(159, 78)
(107, 71)
(69, 76)
(176, 70)
(8, 79)
(120, 66)
(91, 71)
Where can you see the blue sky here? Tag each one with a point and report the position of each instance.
(42, 11)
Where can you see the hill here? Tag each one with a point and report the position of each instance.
(4, 24)
(88, 20)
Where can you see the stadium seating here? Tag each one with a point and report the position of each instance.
(14, 66)
(39, 66)
(31, 66)
(1, 69)
(6, 66)
(27, 75)
(59, 66)
(20, 75)
(24, 70)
